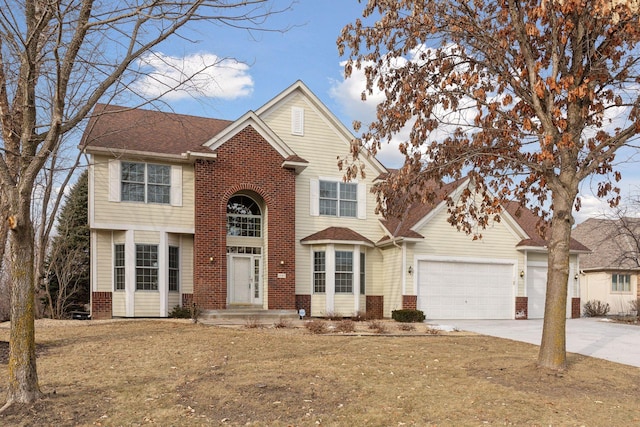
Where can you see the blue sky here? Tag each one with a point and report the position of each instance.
(272, 61)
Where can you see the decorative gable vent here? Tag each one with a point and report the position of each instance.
(297, 121)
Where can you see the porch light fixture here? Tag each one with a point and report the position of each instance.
(211, 259)
(282, 262)
(521, 273)
(410, 271)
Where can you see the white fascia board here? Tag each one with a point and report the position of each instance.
(138, 227)
(250, 119)
(440, 206)
(298, 167)
(147, 155)
(337, 242)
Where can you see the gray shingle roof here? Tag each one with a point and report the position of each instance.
(614, 243)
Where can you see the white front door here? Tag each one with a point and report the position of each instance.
(241, 280)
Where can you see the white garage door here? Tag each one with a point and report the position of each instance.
(537, 290)
(466, 289)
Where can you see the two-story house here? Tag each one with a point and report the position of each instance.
(255, 213)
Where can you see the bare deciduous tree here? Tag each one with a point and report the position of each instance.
(527, 98)
(57, 60)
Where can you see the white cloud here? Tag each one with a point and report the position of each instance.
(348, 95)
(193, 76)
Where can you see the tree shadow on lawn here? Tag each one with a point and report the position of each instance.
(41, 349)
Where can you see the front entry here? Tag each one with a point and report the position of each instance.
(244, 279)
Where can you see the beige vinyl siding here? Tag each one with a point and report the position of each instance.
(103, 253)
(147, 304)
(118, 302)
(320, 146)
(343, 304)
(131, 214)
(173, 300)
(318, 305)
(391, 284)
(146, 237)
(186, 266)
(597, 286)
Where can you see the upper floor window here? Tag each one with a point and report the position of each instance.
(244, 217)
(338, 199)
(620, 282)
(146, 183)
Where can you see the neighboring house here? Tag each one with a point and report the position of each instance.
(255, 213)
(610, 273)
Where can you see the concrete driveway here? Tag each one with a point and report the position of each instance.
(589, 336)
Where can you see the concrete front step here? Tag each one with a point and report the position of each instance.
(246, 313)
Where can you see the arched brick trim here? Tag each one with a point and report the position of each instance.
(245, 187)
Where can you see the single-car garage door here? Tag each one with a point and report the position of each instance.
(466, 289)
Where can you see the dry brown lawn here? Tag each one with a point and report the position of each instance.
(177, 373)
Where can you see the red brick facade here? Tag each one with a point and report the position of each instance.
(101, 307)
(575, 308)
(409, 302)
(375, 306)
(304, 302)
(245, 163)
(522, 308)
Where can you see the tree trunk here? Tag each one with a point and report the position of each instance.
(553, 354)
(23, 377)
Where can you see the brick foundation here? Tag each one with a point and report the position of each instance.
(375, 306)
(409, 302)
(245, 163)
(522, 308)
(187, 300)
(575, 308)
(304, 302)
(101, 307)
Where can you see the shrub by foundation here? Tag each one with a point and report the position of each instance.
(408, 316)
(595, 308)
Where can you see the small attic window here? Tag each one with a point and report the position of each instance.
(297, 121)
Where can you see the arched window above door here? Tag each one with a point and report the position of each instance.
(244, 217)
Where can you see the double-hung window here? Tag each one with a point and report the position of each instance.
(118, 267)
(319, 272)
(344, 272)
(620, 282)
(338, 199)
(174, 269)
(146, 267)
(146, 183)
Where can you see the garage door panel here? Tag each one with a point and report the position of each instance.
(465, 290)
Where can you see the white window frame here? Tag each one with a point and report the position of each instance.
(625, 287)
(344, 274)
(360, 200)
(151, 269)
(175, 269)
(119, 270)
(319, 274)
(115, 183)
